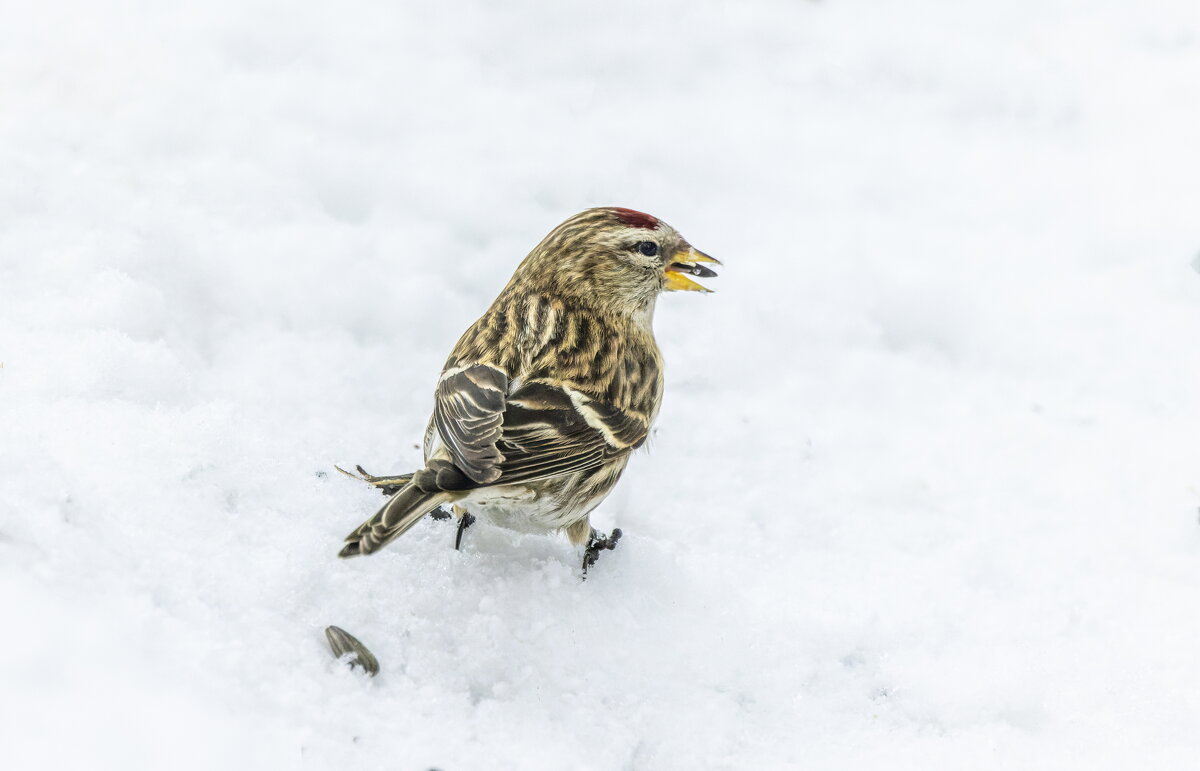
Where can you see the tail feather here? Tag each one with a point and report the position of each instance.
(401, 512)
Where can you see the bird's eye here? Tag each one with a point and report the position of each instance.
(648, 248)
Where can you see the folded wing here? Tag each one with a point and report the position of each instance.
(497, 434)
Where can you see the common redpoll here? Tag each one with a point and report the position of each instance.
(545, 397)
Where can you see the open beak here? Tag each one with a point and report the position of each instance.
(684, 263)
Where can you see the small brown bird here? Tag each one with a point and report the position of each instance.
(546, 396)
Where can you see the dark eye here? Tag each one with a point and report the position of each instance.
(648, 248)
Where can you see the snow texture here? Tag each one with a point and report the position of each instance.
(924, 490)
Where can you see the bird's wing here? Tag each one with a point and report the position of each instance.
(552, 429)
(538, 430)
(468, 413)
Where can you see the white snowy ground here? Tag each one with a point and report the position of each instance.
(924, 490)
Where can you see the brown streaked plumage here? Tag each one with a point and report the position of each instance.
(545, 396)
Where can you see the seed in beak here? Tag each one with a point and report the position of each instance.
(695, 270)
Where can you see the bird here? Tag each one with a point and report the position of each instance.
(545, 397)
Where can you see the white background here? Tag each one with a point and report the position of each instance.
(924, 490)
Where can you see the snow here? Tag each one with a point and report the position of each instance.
(924, 490)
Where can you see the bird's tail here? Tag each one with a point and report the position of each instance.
(402, 511)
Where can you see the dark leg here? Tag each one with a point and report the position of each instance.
(465, 521)
(597, 544)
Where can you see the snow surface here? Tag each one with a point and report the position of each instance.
(924, 490)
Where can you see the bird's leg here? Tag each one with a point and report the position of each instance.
(465, 520)
(387, 485)
(597, 544)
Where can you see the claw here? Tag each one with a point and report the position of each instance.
(597, 544)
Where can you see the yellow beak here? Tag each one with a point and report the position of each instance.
(684, 263)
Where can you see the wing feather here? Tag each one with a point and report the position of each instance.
(469, 414)
(551, 430)
(538, 430)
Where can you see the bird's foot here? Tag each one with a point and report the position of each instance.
(465, 521)
(388, 485)
(597, 544)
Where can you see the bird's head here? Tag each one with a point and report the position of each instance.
(616, 259)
